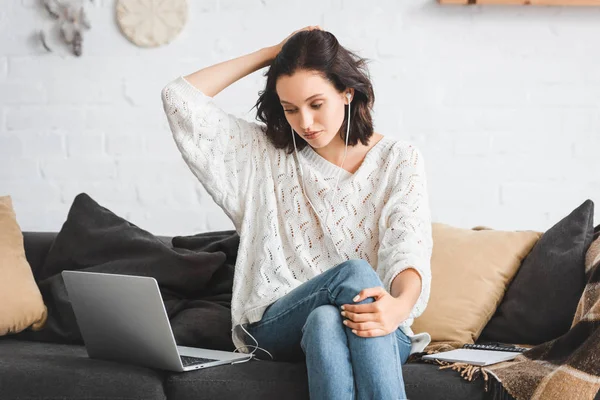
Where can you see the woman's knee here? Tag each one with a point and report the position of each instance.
(322, 325)
(358, 274)
(323, 320)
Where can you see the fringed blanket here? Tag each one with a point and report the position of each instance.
(565, 368)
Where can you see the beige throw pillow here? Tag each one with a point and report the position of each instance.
(471, 270)
(21, 303)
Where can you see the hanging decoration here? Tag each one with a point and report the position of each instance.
(151, 23)
(72, 20)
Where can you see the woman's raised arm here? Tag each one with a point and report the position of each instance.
(212, 80)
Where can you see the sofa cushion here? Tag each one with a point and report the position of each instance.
(96, 240)
(21, 304)
(276, 380)
(34, 370)
(470, 269)
(37, 245)
(541, 301)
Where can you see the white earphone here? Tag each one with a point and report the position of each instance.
(348, 96)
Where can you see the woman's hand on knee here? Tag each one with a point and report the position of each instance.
(379, 318)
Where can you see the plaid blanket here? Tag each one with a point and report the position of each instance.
(565, 368)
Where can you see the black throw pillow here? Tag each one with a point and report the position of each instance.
(540, 303)
(195, 284)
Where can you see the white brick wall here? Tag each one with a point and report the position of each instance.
(503, 101)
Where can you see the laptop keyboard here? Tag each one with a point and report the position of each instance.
(187, 361)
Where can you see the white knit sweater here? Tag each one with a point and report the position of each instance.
(381, 212)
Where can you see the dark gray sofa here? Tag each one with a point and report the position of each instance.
(37, 370)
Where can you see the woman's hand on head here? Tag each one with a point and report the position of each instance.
(379, 318)
(284, 41)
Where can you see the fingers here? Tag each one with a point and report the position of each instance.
(307, 28)
(363, 322)
(312, 28)
(366, 320)
(365, 325)
(370, 333)
(362, 326)
(362, 308)
(360, 317)
(375, 292)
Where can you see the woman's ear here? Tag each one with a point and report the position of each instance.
(349, 95)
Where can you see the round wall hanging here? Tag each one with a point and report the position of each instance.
(151, 23)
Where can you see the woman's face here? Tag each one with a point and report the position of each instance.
(312, 104)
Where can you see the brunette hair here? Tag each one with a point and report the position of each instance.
(318, 51)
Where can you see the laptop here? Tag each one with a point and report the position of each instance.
(123, 318)
(473, 356)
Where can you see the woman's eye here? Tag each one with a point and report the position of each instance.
(315, 106)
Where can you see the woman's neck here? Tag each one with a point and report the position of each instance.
(334, 151)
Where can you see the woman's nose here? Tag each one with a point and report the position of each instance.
(306, 121)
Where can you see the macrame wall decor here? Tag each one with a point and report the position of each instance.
(151, 23)
(70, 19)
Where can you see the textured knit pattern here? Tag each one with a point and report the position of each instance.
(380, 214)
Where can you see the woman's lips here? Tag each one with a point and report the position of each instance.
(312, 135)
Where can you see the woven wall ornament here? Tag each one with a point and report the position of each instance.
(151, 23)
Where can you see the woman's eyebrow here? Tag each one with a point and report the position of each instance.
(307, 99)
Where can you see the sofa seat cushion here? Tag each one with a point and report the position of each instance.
(36, 370)
(275, 380)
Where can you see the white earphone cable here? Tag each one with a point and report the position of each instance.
(330, 207)
(251, 345)
(348, 95)
(341, 167)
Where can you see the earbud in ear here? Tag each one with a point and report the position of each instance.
(348, 95)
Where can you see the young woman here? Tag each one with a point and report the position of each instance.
(334, 221)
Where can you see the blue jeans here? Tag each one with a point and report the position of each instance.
(306, 324)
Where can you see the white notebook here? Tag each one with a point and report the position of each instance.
(472, 356)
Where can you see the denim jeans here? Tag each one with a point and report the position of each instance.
(306, 324)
